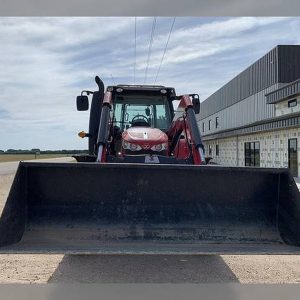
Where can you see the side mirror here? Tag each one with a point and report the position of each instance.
(82, 103)
(196, 105)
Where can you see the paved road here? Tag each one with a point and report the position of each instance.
(7, 168)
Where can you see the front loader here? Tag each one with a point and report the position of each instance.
(146, 187)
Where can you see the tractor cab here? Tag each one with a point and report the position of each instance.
(142, 115)
(142, 106)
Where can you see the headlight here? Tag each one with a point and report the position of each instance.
(131, 147)
(159, 147)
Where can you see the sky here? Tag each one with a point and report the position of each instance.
(46, 62)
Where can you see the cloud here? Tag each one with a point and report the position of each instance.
(46, 62)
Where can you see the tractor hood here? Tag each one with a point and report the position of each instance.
(144, 134)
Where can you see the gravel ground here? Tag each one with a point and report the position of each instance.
(25, 268)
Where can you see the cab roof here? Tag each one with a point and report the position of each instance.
(140, 88)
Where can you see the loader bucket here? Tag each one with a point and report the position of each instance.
(131, 208)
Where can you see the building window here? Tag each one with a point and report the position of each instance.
(203, 127)
(217, 122)
(209, 125)
(217, 150)
(252, 154)
(293, 156)
(209, 150)
(292, 103)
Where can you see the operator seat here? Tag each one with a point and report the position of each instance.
(140, 122)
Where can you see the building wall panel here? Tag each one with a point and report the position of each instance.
(273, 148)
(280, 65)
(250, 110)
(289, 63)
(250, 81)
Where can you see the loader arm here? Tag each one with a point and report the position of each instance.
(185, 122)
(104, 128)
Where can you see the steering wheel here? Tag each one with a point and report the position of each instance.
(140, 120)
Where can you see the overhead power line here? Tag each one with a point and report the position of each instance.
(165, 50)
(150, 48)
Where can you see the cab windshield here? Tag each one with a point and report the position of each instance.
(152, 109)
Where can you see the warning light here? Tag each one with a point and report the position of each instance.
(82, 134)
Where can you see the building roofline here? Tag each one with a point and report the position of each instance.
(249, 66)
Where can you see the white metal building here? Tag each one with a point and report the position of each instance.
(254, 120)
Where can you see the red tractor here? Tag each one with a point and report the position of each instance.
(138, 124)
(144, 188)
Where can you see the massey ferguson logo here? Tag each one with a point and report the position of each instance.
(146, 146)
